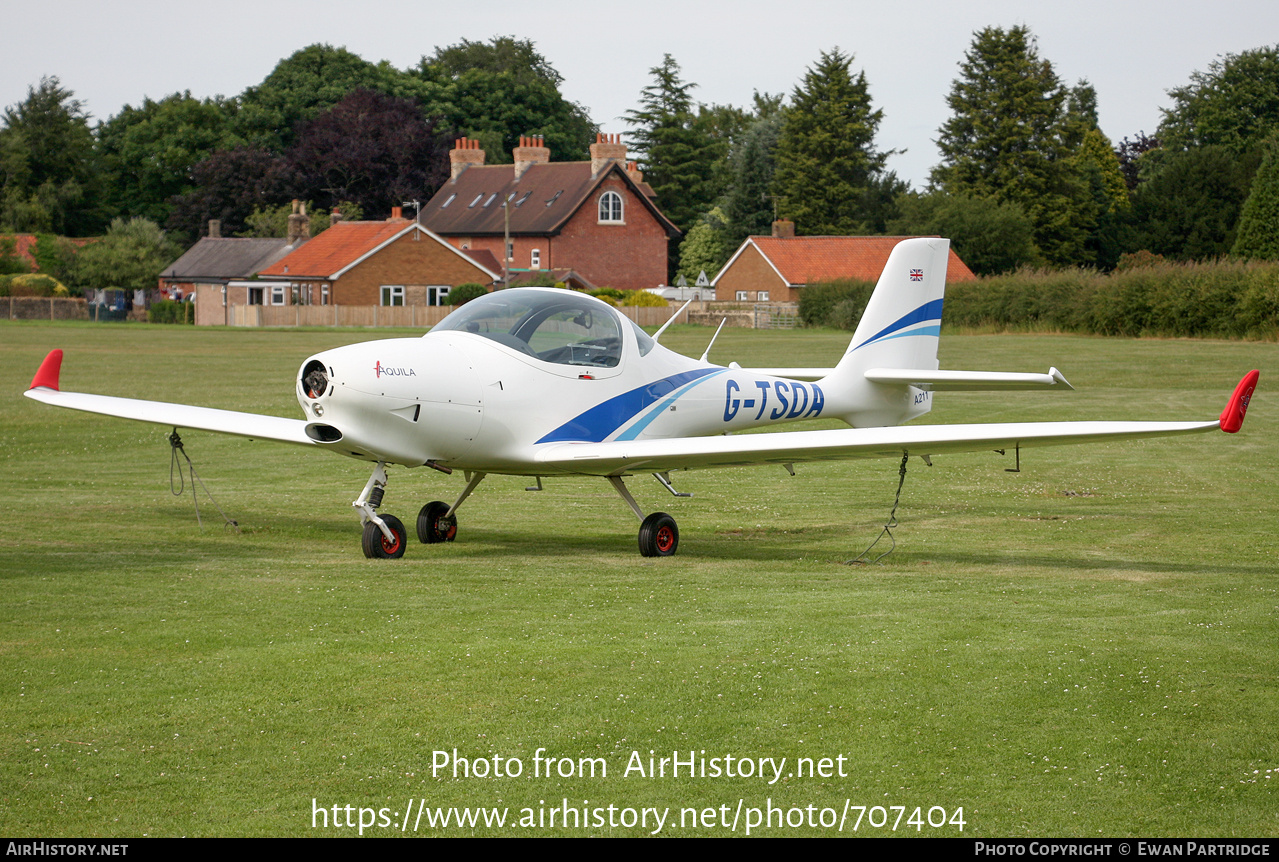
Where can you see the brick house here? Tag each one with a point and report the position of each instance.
(775, 268)
(596, 219)
(393, 263)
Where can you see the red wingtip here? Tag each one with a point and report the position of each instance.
(47, 376)
(1237, 406)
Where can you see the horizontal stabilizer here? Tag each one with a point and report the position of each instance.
(967, 381)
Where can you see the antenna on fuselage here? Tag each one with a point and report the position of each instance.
(713, 337)
(658, 334)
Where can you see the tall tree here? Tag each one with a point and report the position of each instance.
(829, 176)
(1258, 231)
(369, 149)
(675, 151)
(1234, 104)
(229, 185)
(309, 82)
(989, 236)
(1013, 136)
(148, 152)
(748, 207)
(130, 256)
(1189, 209)
(706, 247)
(500, 90)
(48, 164)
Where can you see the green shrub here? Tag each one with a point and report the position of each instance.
(34, 284)
(168, 311)
(1220, 299)
(643, 298)
(834, 303)
(464, 293)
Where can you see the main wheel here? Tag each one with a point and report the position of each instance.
(433, 527)
(377, 546)
(658, 535)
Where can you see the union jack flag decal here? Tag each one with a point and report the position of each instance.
(916, 275)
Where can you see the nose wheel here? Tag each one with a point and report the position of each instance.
(384, 536)
(378, 546)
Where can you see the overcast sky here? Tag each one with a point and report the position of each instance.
(112, 54)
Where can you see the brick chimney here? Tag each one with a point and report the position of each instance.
(465, 153)
(299, 224)
(632, 171)
(335, 216)
(531, 151)
(397, 214)
(605, 150)
(215, 228)
(784, 228)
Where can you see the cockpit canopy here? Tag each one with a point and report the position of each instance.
(557, 326)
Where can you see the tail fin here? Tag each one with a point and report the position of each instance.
(899, 329)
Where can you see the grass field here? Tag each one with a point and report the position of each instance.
(1087, 647)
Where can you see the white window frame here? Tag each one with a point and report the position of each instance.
(392, 295)
(278, 295)
(762, 296)
(437, 294)
(743, 296)
(324, 294)
(611, 208)
(535, 259)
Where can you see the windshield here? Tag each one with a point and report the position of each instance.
(554, 326)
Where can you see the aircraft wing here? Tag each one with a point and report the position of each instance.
(613, 458)
(691, 453)
(44, 388)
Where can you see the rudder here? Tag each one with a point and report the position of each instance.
(900, 328)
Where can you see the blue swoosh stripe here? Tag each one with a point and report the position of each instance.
(926, 312)
(596, 424)
(935, 329)
(635, 430)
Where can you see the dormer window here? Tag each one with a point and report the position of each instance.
(610, 208)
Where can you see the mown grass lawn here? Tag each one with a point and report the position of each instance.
(1087, 647)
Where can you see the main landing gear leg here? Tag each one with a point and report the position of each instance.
(384, 536)
(658, 534)
(437, 521)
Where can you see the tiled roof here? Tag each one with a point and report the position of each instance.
(335, 248)
(807, 259)
(345, 243)
(224, 258)
(542, 199)
(484, 258)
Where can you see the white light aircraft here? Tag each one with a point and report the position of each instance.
(544, 382)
